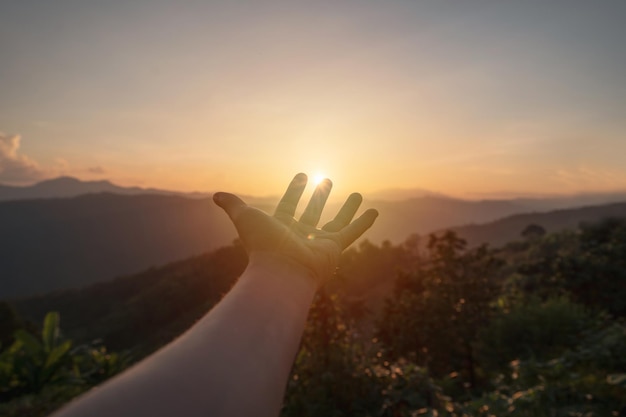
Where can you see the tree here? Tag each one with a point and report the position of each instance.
(589, 266)
(438, 308)
(323, 381)
(533, 231)
(533, 329)
(595, 274)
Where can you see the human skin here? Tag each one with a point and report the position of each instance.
(236, 360)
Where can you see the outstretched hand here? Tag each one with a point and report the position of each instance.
(299, 241)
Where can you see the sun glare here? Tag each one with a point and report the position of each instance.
(318, 177)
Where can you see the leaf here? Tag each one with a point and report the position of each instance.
(29, 342)
(50, 332)
(54, 362)
(58, 353)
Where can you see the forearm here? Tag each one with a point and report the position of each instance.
(233, 362)
(260, 347)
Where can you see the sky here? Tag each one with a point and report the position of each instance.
(466, 98)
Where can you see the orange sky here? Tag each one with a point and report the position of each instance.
(462, 99)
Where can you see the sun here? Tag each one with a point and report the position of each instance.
(318, 177)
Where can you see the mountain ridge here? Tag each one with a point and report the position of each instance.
(67, 187)
(50, 244)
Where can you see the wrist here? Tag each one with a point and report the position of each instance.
(284, 269)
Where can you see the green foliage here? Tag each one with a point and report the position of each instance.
(578, 382)
(337, 374)
(93, 364)
(533, 330)
(438, 309)
(534, 268)
(595, 274)
(144, 311)
(588, 266)
(328, 357)
(36, 362)
(33, 364)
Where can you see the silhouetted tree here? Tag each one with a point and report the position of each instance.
(438, 308)
(533, 231)
(595, 274)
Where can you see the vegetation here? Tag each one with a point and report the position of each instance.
(38, 373)
(473, 331)
(534, 328)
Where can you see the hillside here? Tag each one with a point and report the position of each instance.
(505, 230)
(144, 310)
(399, 219)
(135, 315)
(64, 243)
(64, 187)
(151, 307)
(50, 244)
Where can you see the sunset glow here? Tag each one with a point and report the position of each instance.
(317, 178)
(463, 99)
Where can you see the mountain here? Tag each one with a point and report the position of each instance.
(64, 187)
(527, 202)
(398, 194)
(62, 243)
(147, 309)
(144, 310)
(399, 219)
(50, 244)
(570, 201)
(547, 202)
(508, 229)
(151, 307)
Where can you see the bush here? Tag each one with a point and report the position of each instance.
(39, 373)
(533, 329)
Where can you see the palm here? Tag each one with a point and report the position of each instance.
(300, 240)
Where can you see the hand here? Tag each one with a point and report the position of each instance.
(299, 241)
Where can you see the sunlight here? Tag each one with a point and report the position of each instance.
(318, 177)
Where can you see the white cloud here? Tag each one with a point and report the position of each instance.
(16, 168)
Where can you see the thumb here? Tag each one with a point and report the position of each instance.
(231, 204)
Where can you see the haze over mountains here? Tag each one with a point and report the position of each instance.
(67, 233)
(64, 187)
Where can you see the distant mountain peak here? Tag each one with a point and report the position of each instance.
(397, 194)
(67, 187)
(59, 180)
(63, 178)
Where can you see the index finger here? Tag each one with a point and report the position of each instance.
(289, 202)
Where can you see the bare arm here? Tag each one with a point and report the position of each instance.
(236, 360)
